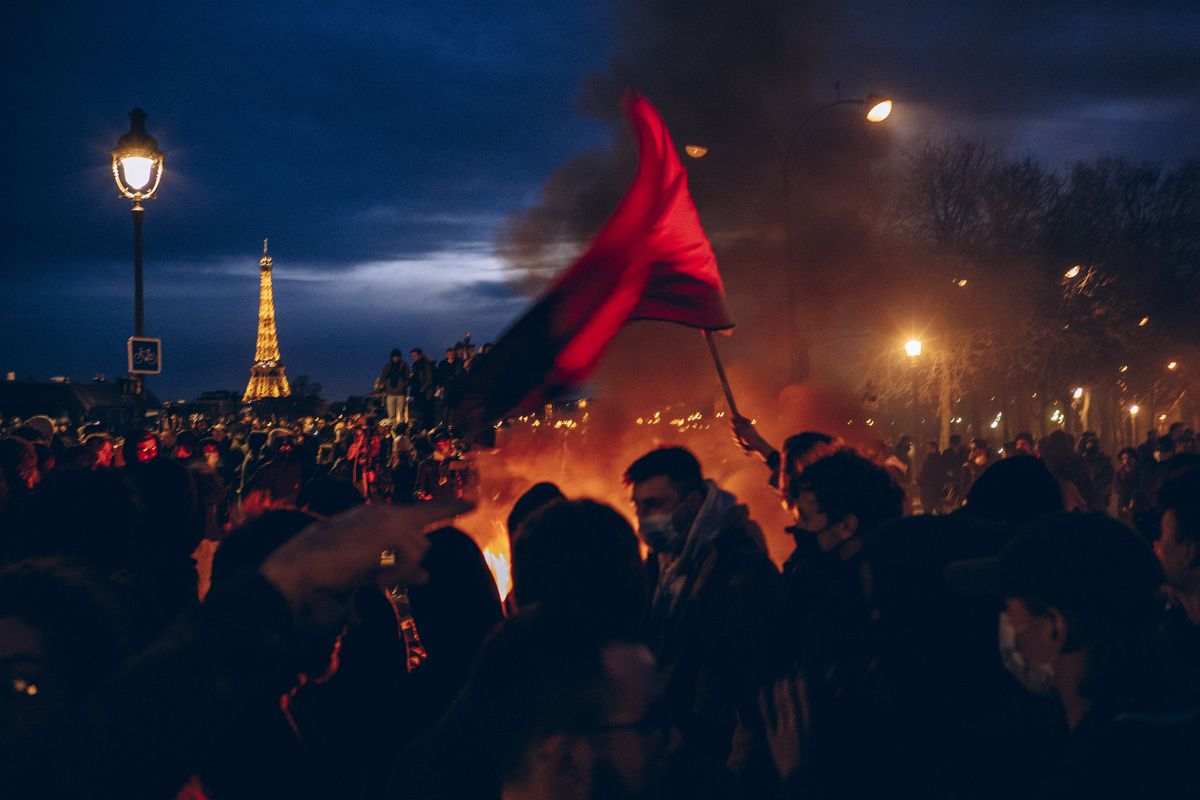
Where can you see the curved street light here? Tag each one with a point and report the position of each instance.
(875, 109)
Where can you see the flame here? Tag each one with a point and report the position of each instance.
(496, 556)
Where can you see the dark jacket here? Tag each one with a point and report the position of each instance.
(720, 644)
(394, 378)
(422, 379)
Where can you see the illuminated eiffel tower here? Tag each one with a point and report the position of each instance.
(266, 373)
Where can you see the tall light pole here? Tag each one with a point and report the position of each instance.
(875, 109)
(137, 166)
(912, 349)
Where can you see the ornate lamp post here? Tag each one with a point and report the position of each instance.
(137, 167)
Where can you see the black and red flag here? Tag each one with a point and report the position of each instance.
(651, 260)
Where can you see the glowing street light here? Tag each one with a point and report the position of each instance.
(695, 150)
(1143, 322)
(878, 108)
(1134, 409)
(1078, 393)
(875, 108)
(137, 167)
(1172, 365)
(912, 348)
(1073, 271)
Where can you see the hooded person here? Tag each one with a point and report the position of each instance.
(715, 623)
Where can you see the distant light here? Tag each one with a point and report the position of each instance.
(913, 348)
(1073, 271)
(1162, 417)
(1133, 410)
(1058, 416)
(1172, 364)
(1078, 393)
(1124, 368)
(1144, 322)
(879, 111)
(961, 282)
(696, 151)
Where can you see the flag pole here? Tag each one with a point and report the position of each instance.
(716, 357)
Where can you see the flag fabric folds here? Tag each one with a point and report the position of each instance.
(651, 260)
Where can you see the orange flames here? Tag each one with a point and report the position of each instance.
(496, 556)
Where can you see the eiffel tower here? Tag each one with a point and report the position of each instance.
(266, 373)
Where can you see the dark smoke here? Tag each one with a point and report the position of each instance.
(738, 78)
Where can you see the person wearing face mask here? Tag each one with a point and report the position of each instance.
(1082, 623)
(836, 502)
(715, 623)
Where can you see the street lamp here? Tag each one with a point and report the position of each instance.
(875, 109)
(912, 349)
(1133, 413)
(137, 167)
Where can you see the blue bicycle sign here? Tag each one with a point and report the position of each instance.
(145, 356)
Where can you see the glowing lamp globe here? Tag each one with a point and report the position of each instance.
(137, 163)
(912, 348)
(878, 108)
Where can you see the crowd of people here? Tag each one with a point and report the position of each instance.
(1036, 631)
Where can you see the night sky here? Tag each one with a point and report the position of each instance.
(382, 146)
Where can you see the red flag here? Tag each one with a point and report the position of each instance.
(651, 260)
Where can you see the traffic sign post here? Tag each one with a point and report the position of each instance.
(145, 356)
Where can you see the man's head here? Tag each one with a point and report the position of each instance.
(417, 354)
(280, 441)
(567, 710)
(140, 447)
(843, 495)
(534, 498)
(102, 446)
(801, 450)
(1164, 448)
(668, 490)
(60, 639)
(397, 356)
(580, 557)
(1178, 548)
(1128, 457)
(210, 451)
(1081, 605)
(1024, 443)
(186, 445)
(450, 354)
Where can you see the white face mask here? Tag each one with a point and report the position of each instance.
(1034, 678)
(658, 532)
